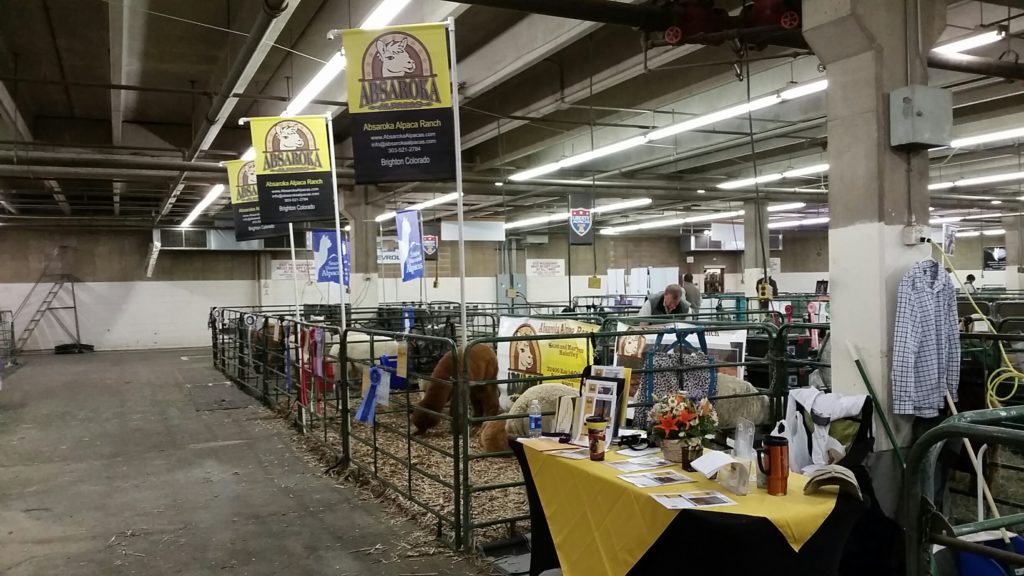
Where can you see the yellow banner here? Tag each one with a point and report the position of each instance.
(242, 181)
(529, 358)
(291, 145)
(398, 68)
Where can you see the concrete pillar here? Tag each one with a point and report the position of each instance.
(361, 209)
(1014, 242)
(755, 244)
(874, 190)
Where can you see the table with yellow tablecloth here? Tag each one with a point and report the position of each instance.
(600, 524)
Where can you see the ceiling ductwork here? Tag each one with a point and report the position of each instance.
(761, 23)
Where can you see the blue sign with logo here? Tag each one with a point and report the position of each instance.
(325, 257)
(410, 245)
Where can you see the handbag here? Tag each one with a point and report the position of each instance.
(671, 376)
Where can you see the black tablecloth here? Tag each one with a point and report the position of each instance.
(726, 544)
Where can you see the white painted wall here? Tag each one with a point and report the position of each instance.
(131, 315)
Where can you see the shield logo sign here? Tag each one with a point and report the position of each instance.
(429, 245)
(580, 220)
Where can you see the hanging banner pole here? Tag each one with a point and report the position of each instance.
(338, 204)
(458, 179)
(295, 271)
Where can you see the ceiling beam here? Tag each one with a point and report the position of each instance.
(10, 114)
(118, 21)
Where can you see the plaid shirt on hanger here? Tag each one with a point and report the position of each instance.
(926, 343)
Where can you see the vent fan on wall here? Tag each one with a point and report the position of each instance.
(183, 239)
(699, 242)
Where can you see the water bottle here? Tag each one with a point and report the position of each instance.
(535, 421)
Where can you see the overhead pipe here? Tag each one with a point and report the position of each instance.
(976, 65)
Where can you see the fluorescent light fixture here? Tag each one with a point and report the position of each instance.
(997, 202)
(622, 205)
(806, 171)
(969, 234)
(702, 191)
(499, 184)
(997, 232)
(786, 207)
(564, 215)
(381, 16)
(421, 206)
(747, 182)
(990, 179)
(945, 220)
(795, 173)
(329, 72)
(212, 195)
(714, 117)
(347, 228)
(602, 151)
(670, 222)
(986, 138)
(674, 129)
(971, 42)
(534, 172)
(537, 220)
(804, 90)
(941, 185)
(384, 13)
(797, 223)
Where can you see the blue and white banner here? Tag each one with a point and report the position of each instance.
(410, 245)
(325, 257)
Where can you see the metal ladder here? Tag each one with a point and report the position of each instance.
(40, 312)
(57, 282)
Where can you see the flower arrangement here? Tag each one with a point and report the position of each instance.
(677, 417)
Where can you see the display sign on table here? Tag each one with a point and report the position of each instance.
(533, 358)
(581, 218)
(245, 202)
(325, 257)
(410, 245)
(293, 168)
(399, 87)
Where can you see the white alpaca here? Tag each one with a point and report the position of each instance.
(395, 59)
(289, 137)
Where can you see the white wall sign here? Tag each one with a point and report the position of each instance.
(476, 230)
(775, 266)
(388, 257)
(283, 270)
(545, 267)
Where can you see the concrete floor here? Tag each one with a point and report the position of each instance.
(106, 467)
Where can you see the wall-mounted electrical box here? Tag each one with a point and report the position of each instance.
(920, 117)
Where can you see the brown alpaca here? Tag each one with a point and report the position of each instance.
(483, 365)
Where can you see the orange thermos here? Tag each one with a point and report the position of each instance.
(774, 463)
